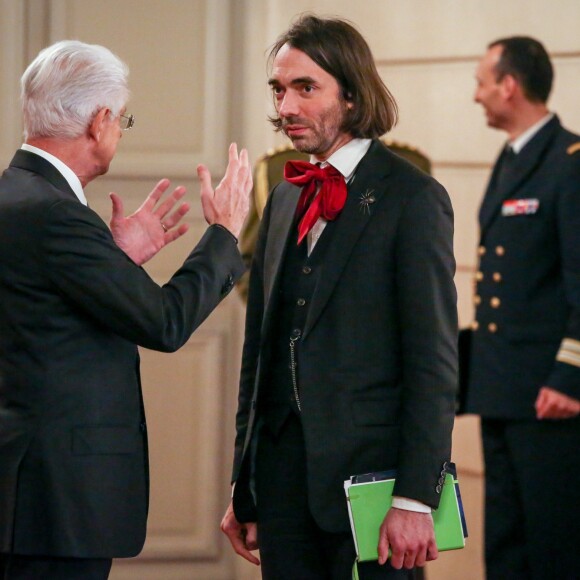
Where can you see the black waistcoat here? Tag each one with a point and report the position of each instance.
(299, 277)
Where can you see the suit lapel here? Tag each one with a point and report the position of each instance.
(354, 218)
(281, 220)
(526, 163)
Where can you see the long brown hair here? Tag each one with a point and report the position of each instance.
(339, 49)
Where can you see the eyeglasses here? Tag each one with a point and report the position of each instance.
(126, 121)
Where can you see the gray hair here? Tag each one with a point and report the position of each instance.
(65, 86)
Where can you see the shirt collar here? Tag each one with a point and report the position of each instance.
(62, 168)
(347, 157)
(520, 142)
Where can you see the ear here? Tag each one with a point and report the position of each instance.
(96, 126)
(509, 86)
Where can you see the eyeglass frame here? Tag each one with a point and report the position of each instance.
(129, 122)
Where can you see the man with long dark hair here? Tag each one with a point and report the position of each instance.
(349, 362)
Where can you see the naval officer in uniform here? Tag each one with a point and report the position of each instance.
(524, 374)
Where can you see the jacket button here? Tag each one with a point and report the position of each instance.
(500, 250)
(481, 250)
(301, 302)
(495, 302)
(492, 327)
(479, 276)
(475, 325)
(496, 277)
(477, 299)
(306, 270)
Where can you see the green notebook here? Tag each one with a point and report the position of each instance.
(369, 502)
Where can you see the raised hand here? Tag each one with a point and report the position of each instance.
(228, 205)
(153, 226)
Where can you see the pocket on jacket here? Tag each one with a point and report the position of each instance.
(117, 440)
(384, 411)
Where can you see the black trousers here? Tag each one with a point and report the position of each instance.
(292, 545)
(14, 567)
(532, 507)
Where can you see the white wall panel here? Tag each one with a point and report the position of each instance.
(178, 53)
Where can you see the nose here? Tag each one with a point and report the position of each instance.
(288, 106)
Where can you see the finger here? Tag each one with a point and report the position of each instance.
(205, 190)
(155, 194)
(397, 557)
(168, 204)
(432, 551)
(383, 547)
(175, 233)
(173, 219)
(118, 210)
(239, 546)
(233, 164)
(421, 558)
(409, 560)
(251, 536)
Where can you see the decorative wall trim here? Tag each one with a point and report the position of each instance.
(201, 541)
(11, 68)
(214, 149)
(436, 60)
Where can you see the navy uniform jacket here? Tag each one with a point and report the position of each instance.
(73, 308)
(527, 328)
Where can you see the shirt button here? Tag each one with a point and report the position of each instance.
(492, 327)
(496, 277)
(301, 302)
(500, 250)
(306, 269)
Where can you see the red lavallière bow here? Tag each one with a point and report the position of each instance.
(330, 199)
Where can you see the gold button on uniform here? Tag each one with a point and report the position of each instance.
(495, 302)
(500, 250)
(481, 250)
(496, 277)
(479, 276)
(492, 327)
(477, 299)
(474, 325)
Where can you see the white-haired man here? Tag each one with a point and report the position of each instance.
(74, 305)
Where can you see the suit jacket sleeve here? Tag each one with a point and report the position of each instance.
(427, 304)
(565, 375)
(83, 262)
(252, 342)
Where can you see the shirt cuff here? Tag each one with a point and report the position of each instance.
(412, 505)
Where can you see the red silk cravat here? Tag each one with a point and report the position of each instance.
(330, 199)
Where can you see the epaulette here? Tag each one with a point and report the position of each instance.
(573, 148)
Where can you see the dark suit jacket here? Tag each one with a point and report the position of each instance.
(378, 367)
(529, 280)
(73, 307)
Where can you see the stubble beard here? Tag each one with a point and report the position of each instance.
(323, 132)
